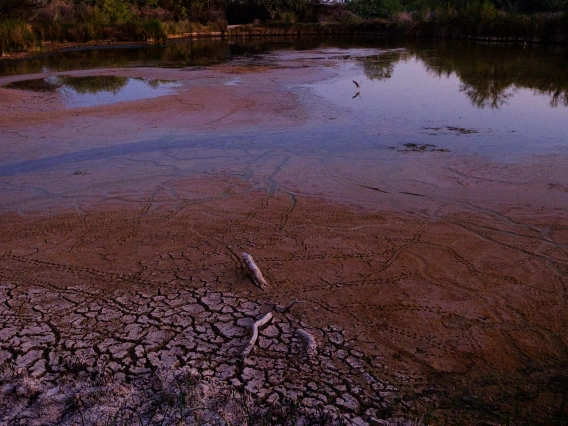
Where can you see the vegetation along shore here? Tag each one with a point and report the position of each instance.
(30, 25)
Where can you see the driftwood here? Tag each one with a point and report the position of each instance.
(309, 342)
(263, 321)
(254, 271)
(283, 309)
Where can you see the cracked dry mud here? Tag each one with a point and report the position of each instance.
(393, 303)
(191, 306)
(434, 283)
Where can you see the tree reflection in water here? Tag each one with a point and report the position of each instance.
(489, 75)
(82, 85)
(381, 67)
(94, 84)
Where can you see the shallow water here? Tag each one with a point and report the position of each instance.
(97, 90)
(454, 269)
(411, 104)
(452, 123)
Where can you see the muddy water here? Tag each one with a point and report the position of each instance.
(426, 184)
(403, 120)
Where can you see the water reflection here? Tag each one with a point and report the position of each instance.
(176, 54)
(96, 90)
(490, 83)
(81, 85)
(381, 67)
(489, 74)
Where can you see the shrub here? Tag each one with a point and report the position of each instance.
(152, 29)
(375, 8)
(16, 35)
(116, 11)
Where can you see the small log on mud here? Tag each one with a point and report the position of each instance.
(310, 344)
(263, 321)
(254, 271)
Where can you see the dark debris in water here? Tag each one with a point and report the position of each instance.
(452, 129)
(36, 85)
(414, 147)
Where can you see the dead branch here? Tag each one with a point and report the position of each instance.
(309, 342)
(264, 320)
(254, 271)
(283, 309)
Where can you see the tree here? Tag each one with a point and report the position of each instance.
(118, 11)
(375, 8)
(10, 8)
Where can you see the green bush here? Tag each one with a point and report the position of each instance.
(16, 35)
(116, 11)
(375, 8)
(152, 30)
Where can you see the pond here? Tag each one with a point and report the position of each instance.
(412, 194)
(96, 90)
(365, 112)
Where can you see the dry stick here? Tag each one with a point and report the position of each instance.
(309, 341)
(265, 319)
(283, 309)
(254, 271)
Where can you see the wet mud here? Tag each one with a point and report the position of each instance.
(435, 289)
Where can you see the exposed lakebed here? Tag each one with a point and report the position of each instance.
(414, 196)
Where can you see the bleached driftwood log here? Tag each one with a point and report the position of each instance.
(263, 321)
(254, 271)
(309, 342)
(283, 309)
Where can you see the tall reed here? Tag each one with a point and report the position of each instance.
(185, 27)
(16, 35)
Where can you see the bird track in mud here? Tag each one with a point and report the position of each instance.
(405, 298)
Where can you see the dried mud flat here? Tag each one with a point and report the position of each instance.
(125, 300)
(411, 318)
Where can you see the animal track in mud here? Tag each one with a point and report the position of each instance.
(127, 335)
(130, 294)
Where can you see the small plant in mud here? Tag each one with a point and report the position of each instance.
(75, 364)
(289, 413)
(19, 381)
(15, 35)
(88, 395)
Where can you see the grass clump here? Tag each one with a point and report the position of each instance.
(186, 27)
(16, 35)
(87, 24)
(91, 395)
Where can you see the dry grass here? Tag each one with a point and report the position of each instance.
(16, 35)
(173, 396)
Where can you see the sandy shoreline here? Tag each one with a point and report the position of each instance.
(444, 288)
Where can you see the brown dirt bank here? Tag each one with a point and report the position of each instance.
(503, 28)
(466, 318)
(508, 29)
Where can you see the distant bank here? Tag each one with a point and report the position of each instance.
(551, 28)
(18, 38)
